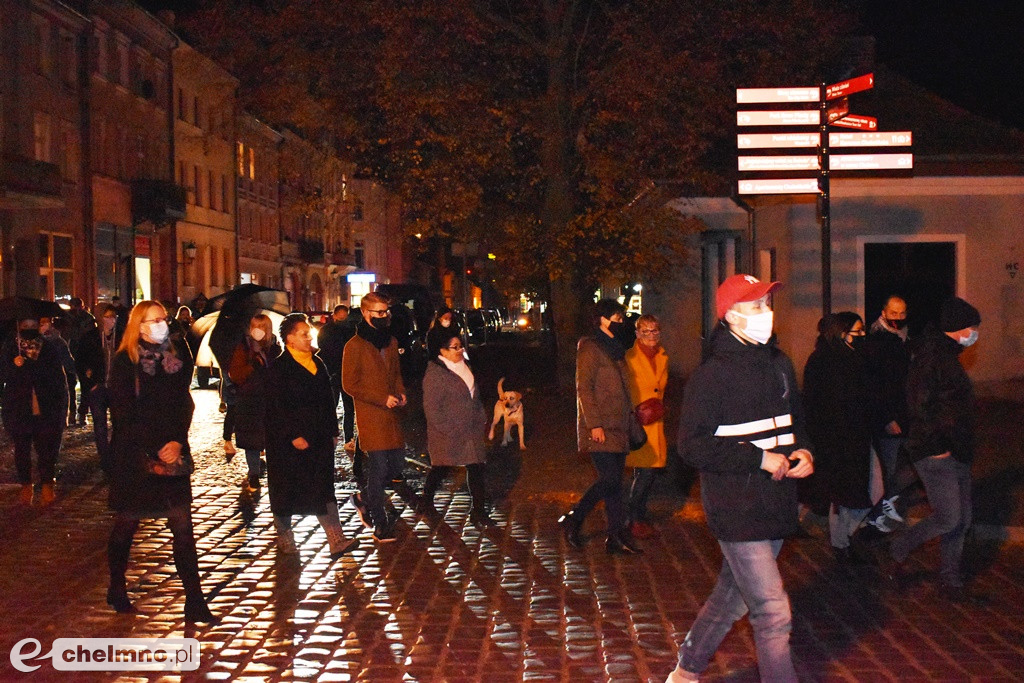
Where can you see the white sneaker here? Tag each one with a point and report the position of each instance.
(889, 508)
(680, 675)
(879, 523)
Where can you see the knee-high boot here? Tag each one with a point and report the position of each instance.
(118, 547)
(186, 562)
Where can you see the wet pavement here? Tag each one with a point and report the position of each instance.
(448, 602)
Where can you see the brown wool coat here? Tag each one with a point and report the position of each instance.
(601, 399)
(369, 376)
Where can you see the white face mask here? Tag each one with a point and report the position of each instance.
(969, 339)
(759, 326)
(257, 334)
(156, 332)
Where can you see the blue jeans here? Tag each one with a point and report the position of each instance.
(383, 466)
(888, 456)
(749, 579)
(252, 462)
(947, 482)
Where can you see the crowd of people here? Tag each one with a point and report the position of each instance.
(875, 406)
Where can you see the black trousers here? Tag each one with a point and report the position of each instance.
(475, 478)
(608, 487)
(46, 435)
(99, 405)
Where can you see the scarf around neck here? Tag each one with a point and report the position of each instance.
(610, 345)
(150, 354)
(379, 338)
(303, 358)
(463, 371)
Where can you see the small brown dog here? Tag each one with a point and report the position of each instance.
(509, 407)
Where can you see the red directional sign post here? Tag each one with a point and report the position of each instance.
(799, 127)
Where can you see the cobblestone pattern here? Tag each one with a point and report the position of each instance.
(450, 603)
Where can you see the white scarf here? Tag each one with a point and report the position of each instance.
(463, 371)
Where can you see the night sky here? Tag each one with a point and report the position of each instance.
(970, 52)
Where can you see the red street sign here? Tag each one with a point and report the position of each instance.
(779, 163)
(842, 88)
(870, 162)
(900, 138)
(858, 122)
(780, 186)
(773, 140)
(763, 95)
(838, 109)
(798, 117)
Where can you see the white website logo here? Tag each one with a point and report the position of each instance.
(110, 654)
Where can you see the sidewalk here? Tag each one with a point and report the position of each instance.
(449, 603)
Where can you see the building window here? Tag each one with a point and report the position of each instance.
(360, 255)
(56, 266)
(252, 164)
(197, 197)
(241, 159)
(357, 211)
(68, 59)
(195, 112)
(42, 38)
(211, 190)
(42, 126)
(181, 104)
(71, 158)
(224, 193)
(100, 48)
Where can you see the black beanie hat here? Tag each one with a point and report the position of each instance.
(957, 314)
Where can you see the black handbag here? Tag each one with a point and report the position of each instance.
(637, 433)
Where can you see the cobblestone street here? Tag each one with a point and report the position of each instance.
(450, 603)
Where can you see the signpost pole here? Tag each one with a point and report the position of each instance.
(826, 209)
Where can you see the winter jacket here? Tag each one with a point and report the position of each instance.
(602, 398)
(940, 398)
(743, 400)
(91, 361)
(841, 412)
(148, 411)
(331, 340)
(456, 421)
(247, 372)
(44, 376)
(646, 382)
(300, 404)
(369, 376)
(888, 360)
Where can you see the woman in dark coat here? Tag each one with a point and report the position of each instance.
(603, 407)
(35, 406)
(247, 373)
(302, 432)
(840, 408)
(151, 410)
(456, 421)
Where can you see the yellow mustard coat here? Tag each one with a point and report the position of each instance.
(646, 382)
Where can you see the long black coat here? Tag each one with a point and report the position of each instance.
(45, 375)
(941, 400)
(248, 373)
(300, 404)
(456, 421)
(160, 412)
(841, 410)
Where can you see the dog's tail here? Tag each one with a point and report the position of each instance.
(501, 392)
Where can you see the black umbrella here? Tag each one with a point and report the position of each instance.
(24, 308)
(237, 308)
(250, 295)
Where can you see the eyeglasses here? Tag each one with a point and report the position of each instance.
(649, 333)
(381, 313)
(455, 348)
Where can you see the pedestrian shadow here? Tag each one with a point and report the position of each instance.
(504, 467)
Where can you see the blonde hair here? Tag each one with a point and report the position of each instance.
(373, 298)
(264, 322)
(132, 333)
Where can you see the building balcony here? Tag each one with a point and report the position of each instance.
(343, 258)
(157, 201)
(27, 183)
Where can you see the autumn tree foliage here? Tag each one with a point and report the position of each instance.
(543, 129)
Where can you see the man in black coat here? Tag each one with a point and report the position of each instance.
(743, 429)
(888, 361)
(95, 357)
(35, 406)
(331, 340)
(940, 397)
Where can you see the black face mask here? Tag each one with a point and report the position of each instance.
(620, 333)
(857, 342)
(896, 324)
(381, 324)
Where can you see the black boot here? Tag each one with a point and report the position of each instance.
(571, 529)
(196, 611)
(118, 546)
(621, 544)
(117, 597)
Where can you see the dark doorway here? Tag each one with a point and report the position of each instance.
(923, 273)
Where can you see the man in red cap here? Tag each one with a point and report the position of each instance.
(743, 429)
